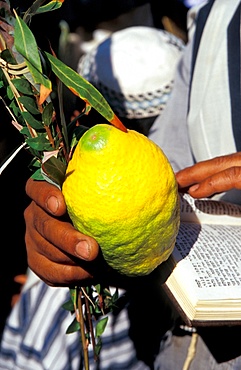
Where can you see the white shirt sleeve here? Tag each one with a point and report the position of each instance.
(169, 130)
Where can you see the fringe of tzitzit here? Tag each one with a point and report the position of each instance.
(191, 352)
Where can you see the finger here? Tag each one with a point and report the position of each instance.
(20, 279)
(218, 183)
(55, 274)
(37, 245)
(202, 170)
(54, 267)
(60, 234)
(47, 196)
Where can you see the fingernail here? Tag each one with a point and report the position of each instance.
(52, 204)
(194, 187)
(82, 249)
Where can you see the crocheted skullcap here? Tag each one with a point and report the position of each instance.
(134, 70)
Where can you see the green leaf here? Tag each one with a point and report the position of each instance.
(26, 45)
(80, 87)
(32, 10)
(22, 85)
(37, 175)
(74, 326)
(37, 125)
(16, 111)
(68, 306)
(100, 327)
(98, 288)
(73, 294)
(48, 114)
(7, 56)
(97, 310)
(29, 104)
(107, 293)
(52, 5)
(115, 296)
(55, 170)
(98, 347)
(10, 94)
(39, 143)
(25, 131)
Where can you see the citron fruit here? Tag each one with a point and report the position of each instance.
(120, 189)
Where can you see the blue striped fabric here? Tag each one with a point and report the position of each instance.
(35, 336)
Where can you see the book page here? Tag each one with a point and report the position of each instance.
(209, 211)
(209, 261)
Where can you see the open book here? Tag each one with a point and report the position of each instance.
(204, 270)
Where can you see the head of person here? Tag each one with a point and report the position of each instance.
(134, 70)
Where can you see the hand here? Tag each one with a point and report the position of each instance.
(212, 176)
(57, 252)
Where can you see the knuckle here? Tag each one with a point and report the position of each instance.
(66, 238)
(230, 173)
(234, 175)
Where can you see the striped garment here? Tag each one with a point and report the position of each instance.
(35, 335)
(206, 95)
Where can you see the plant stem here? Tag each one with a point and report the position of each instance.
(82, 331)
(90, 323)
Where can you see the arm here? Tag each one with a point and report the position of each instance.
(170, 130)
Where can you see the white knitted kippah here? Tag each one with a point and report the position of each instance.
(134, 70)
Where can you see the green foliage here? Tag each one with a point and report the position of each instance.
(100, 327)
(28, 91)
(74, 326)
(26, 88)
(80, 87)
(99, 330)
(25, 44)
